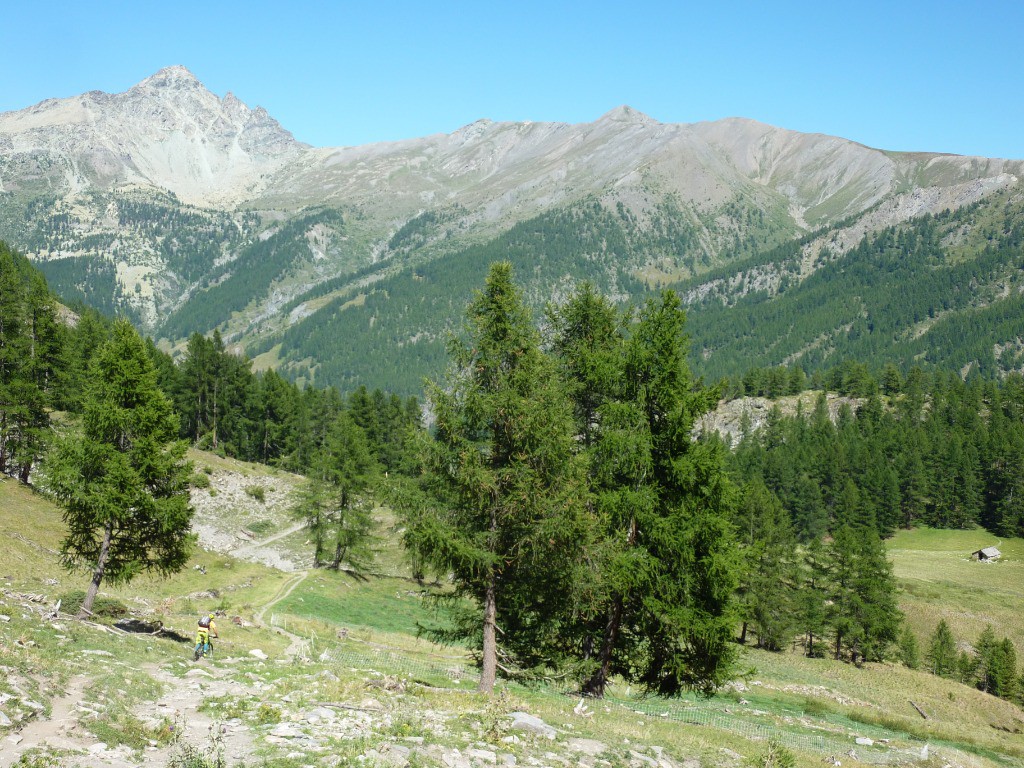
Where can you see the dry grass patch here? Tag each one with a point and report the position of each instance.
(940, 581)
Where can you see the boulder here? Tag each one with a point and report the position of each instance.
(522, 721)
(590, 747)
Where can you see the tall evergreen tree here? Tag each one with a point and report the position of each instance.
(770, 575)
(941, 656)
(123, 480)
(1003, 678)
(506, 490)
(812, 596)
(662, 499)
(910, 655)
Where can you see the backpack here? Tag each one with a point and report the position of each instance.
(205, 622)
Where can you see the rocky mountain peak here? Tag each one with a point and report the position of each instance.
(626, 114)
(175, 77)
(167, 131)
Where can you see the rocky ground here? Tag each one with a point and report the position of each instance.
(727, 418)
(294, 710)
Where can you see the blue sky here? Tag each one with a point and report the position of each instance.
(926, 76)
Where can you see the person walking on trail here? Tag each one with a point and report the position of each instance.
(207, 629)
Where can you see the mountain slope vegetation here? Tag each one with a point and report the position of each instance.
(942, 291)
(191, 212)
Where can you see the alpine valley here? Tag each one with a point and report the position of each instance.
(190, 212)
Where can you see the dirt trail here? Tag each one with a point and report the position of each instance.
(179, 704)
(298, 644)
(59, 731)
(260, 552)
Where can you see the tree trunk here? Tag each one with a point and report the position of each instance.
(596, 684)
(215, 416)
(743, 634)
(839, 645)
(97, 576)
(489, 671)
(3, 443)
(339, 553)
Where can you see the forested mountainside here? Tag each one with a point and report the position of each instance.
(191, 212)
(943, 291)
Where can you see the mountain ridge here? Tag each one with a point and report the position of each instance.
(193, 211)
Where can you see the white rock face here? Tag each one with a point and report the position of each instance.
(168, 131)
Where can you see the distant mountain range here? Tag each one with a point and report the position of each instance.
(193, 212)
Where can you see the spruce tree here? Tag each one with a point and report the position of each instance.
(123, 479)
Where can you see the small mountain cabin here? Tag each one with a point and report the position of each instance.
(987, 554)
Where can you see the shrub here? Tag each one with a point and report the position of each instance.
(199, 480)
(257, 492)
(774, 756)
(262, 527)
(107, 607)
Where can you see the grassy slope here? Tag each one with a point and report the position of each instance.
(940, 581)
(802, 700)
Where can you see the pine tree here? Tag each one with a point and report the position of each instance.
(506, 492)
(122, 481)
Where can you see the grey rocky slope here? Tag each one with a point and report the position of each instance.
(169, 190)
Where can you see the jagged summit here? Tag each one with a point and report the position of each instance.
(168, 131)
(176, 76)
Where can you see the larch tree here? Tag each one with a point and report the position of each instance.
(663, 500)
(122, 480)
(941, 655)
(337, 517)
(31, 345)
(771, 572)
(505, 490)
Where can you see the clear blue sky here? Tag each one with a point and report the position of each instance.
(928, 76)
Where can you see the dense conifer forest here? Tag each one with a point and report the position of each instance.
(940, 292)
